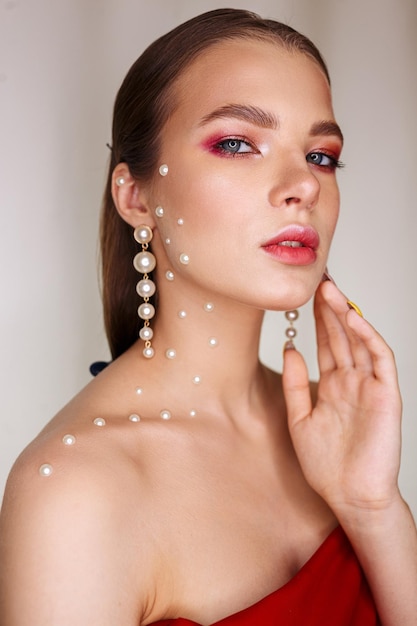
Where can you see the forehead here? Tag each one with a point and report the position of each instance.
(251, 70)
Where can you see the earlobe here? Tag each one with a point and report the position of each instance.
(129, 198)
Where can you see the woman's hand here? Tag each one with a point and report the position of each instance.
(348, 440)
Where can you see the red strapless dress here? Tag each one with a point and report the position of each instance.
(329, 590)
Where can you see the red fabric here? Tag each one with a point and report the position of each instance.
(329, 590)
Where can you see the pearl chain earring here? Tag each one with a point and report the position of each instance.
(145, 262)
(291, 332)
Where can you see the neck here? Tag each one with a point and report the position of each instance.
(206, 352)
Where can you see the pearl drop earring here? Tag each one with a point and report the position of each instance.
(145, 262)
(163, 170)
(291, 332)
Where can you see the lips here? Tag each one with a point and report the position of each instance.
(294, 245)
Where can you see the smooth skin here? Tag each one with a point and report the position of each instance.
(201, 517)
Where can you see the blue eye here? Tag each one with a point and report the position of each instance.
(323, 160)
(234, 146)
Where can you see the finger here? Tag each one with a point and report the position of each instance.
(296, 387)
(380, 354)
(325, 357)
(360, 356)
(337, 347)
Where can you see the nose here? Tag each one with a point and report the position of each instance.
(295, 185)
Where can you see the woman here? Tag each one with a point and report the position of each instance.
(187, 483)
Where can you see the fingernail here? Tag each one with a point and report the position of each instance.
(289, 345)
(326, 276)
(355, 307)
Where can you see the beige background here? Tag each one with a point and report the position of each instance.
(61, 62)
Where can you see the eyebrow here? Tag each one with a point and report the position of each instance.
(264, 119)
(326, 127)
(250, 114)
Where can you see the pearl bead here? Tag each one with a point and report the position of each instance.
(159, 211)
(169, 275)
(167, 241)
(180, 221)
(134, 417)
(291, 315)
(120, 180)
(182, 314)
(45, 469)
(197, 380)
(170, 353)
(148, 353)
(144, 262)
(68, 440)
(166, 415)
(213, 342)
(209, 307)
(138, 391)
(184, 258)
(193, 413)
(99, 421)
(146, 311)
(146, 333)
(143, 234)
(163, 170)
(291, 333)
(146, 288)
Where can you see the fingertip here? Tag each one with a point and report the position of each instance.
(289, 345)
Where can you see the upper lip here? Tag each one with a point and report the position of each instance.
(305, 235)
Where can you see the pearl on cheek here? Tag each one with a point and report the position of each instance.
(184, 259)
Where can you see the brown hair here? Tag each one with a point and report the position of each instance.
(143, 104)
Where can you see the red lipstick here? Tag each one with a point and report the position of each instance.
(294, 245)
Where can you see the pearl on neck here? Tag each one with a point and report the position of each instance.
(159, 211)
(169, 275)
(99, 421)
(213, 342)
(209, 307)
(134, 417)
(170, 353)
(182, 314)
(196, 380)
(184, 258)
(165, 414)
(163, 170)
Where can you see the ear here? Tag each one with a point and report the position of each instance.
(130, 198)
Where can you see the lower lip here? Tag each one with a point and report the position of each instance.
(292, 256)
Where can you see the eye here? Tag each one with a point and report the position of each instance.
(323, 160)
(233, 145)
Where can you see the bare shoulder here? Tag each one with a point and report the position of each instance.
(67, 528)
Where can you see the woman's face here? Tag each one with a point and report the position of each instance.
(251, 195)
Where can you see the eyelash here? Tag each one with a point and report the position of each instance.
(219, 148)
(334, 162)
